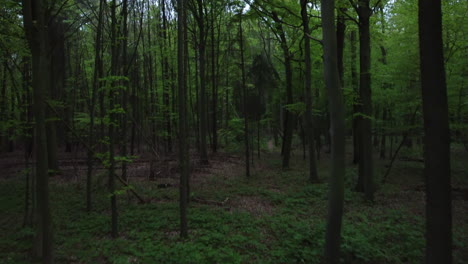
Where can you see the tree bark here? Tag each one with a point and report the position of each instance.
(112, 118)
(202, 73)
(365, 149)
(183, 147)
(92, 106)
(35, 17)
(289, 117)
(244, 93)
(437, 134)
(3, 105)
(214, 83)
(56, 31)
(313, 175)
(356, 103)
(166, 78)
(124, 96)
(336, 108)
(340, 37)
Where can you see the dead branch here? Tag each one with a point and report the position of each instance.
(210, 202)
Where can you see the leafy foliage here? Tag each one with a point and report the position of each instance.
(292, 232)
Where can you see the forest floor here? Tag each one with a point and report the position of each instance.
(274, 216)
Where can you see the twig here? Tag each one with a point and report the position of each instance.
(142, 201)
(210, 202)
(405, 135)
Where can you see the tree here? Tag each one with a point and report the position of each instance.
(289, 119)
(437, 134)
(56, 31)
(198, 12)
(214, 76)
(313, 176)
(270, 10)
(385, 85)
(336, 108)
(92, 105)
(244, 95)
(124, 94)
(165, 73)
(340, 38)
(183, 147)
(112, 117)
(366, 176)
(356, 105)
(35, 16)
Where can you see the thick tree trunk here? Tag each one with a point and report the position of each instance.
(340, 38)
(365, 126)
(336, 108)
(56, 32)
(437, 135)
(34, 16)
(42, 178)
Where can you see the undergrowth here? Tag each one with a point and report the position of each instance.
(292, 231)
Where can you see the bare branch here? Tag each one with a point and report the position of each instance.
(354, 5)
(349, 17)
(315, 39)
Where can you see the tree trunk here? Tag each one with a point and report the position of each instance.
(313, 176)
(112, 118)
(56, 31)
(383, 137)
(356, 104)
(289, 117)
(96, 77)
(437, 135)
(35, 17)
(124, 97)
(385, 85)
(183, 147)
(202, 95)
(365, 126)
(166, 78)
(375, 136)
(244, 93)
(28, 142)
(258, 138)
(340, 38)
(336, 108)
(214, 84)
(3, 106)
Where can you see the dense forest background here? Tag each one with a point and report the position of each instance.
(224, 131)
